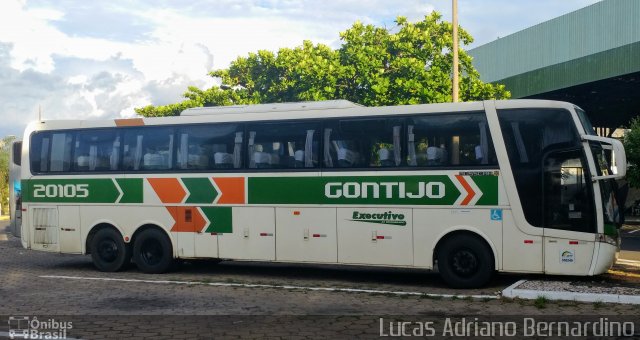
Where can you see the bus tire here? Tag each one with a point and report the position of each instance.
(152, 252)
(108, 250)
(465, 261)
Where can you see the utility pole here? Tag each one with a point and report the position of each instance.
(455, 86)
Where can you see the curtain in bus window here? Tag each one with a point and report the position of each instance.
(522, 151)
(411, 146)
(44, 155)
(251, 147)
(308, 150)
(183, 151)
(93, 157)
(328, 161)
(483, 142)
(114, 158)
(60, 152)
(169, 158)
(237, 151)
(137, 155)
(396, 145)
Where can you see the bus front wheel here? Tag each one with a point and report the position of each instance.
(465, 261)
(152, 252)
(108, 250)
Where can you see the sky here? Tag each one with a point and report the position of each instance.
(74, 59)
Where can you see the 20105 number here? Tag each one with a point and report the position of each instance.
(61, 190)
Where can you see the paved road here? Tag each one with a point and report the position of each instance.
(242, 300)
(630, 247)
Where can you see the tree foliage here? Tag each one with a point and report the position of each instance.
(374, 66)
(632, 150)
(5, 146)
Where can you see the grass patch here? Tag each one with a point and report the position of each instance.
(541, 302)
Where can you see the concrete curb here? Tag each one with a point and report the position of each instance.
(513, 292)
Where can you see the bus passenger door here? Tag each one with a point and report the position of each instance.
(569, 218)
(375, 236)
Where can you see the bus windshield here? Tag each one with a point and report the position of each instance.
(586, 123)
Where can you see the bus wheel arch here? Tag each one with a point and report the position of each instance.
(108, 250)
(152, 249)
(465, 259)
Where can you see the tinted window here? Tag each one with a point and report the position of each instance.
(51, 151)
(363, 143)
(17, 153)
(148, 148)
(529, 134)
(283, 145)
(209, 147)
(449, 140)
(96, 150)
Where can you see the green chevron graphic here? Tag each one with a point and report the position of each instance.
(200, 190)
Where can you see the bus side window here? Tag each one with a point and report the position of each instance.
(440, 140)
(148, 148)
(17, 153)
(361, 143)
(97, 150)
(210, 146)
(283, 145)
(60, 154)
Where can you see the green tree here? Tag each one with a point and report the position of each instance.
(5, 146)
(632, 150)
(374, 66)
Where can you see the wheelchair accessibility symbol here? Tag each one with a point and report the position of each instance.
(496, 214)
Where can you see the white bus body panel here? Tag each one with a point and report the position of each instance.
(253, 236)
(70, 230)
(306, 235)
(567, 252)
(372, 243)
(521, 252)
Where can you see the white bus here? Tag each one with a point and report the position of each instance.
(469, 188)
(15, 192)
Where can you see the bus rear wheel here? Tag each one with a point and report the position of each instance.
(108, 250)
(465, 261)
(152, 252)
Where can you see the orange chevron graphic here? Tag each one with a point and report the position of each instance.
(231, 189)
(467, 187)
(168, 190)
(187, 219)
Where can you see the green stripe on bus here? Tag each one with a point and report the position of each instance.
(71, 191)
(200, 190)
(488, 185)
(83, 190)
(379, 190)
(131, 190)
(220, 219)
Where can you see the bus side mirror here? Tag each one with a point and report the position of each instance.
(618, 153)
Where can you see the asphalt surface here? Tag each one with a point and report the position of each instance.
(251, 300)
(630, 246)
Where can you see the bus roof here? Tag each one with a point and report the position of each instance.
(271, 107)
